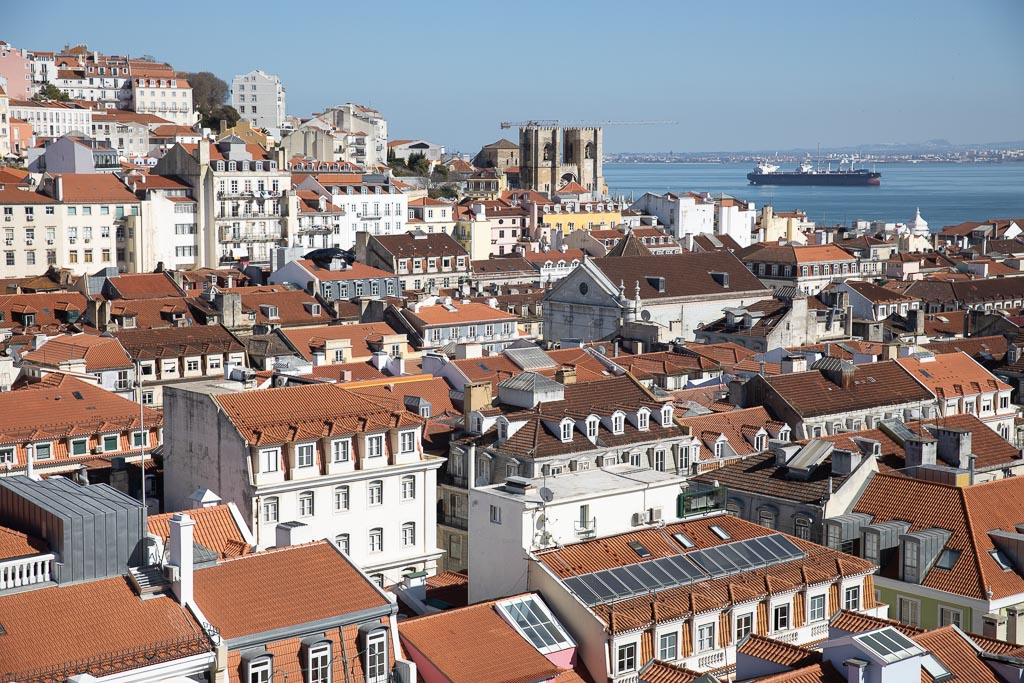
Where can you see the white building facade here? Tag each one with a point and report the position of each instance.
(260, 98)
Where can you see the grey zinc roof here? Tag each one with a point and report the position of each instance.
(530, 381)
(531, 358)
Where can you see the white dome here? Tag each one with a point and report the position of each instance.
(919, 226)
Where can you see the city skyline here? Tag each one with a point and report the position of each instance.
(762, 80)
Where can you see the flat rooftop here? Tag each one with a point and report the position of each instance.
(590, 483)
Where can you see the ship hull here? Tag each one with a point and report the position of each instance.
(856, 179)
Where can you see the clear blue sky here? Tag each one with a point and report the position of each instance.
(734, 74)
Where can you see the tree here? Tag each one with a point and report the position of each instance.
(208, 92)
(50, 92)
(224, 112)
(448, 191)
(418, 163)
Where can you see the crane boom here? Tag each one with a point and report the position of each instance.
(551, 123)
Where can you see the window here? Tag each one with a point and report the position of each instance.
(374, 446)
(949, 616)
(270, 510)
(495, 514)
(659, 460)
(7, 455)
(304, 455)
(319, 663)
(306, 504)
(409, 487)
(766, 518)
(111, 442)
(408, 534)
(192, 365)
(871, 548)
(851, 598)
(668, 646)
(744, 625)
(140, 439)
(705, 637)
(817, 610)
(626, 658)
(376, 540)
(78, 447)
(802, 528)
(566, 431)
(261, 670)
(592, 423)
(617, 423)
(634, 459)
(720, 449)
(341, 499)
(270, 460)
(407, 441)
(642, 420)
(375, 492)
(342, 541)
(780, 618)
(909, 611)
(377, 657)
(910, 562)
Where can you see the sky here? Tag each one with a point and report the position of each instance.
(732, 74)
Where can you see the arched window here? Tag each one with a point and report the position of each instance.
(341, 499)
(588, 151)
(618, 423)
(547, 152)
(375, 492)
(376, 540)
(270, 510)
(342, 541)
(802, 528)
(409, 487)
(306, 504)
(566, 431)
(643, 419)
(592, 423)
(766, 518)
(408, 534)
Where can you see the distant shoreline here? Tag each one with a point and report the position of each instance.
(860, 162)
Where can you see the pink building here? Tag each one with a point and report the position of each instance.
(15, 72)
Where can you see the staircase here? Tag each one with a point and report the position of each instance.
(149, 582)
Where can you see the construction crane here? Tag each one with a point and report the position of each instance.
(551, 123)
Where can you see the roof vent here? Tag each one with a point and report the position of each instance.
(658, 282)
(722, 278)
(519, 485)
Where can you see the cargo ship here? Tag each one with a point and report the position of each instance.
(769, 174)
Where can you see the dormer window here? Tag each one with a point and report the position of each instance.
(720, 449)
(760, 442)
(566, 428)
(666, 416)
(592, 424)
(618, 423)
(784, 434)
(502, 430)
(643, 417)
(260, 670)
(376, 656)
(318, 662)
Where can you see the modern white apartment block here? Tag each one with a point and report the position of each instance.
(260, 98)
(370, 147)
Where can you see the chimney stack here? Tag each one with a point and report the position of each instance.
(181, 555)
(565, 375)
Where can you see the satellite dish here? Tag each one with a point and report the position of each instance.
(547, 495)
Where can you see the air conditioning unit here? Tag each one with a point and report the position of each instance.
(654, 515)
(88, 240)
(97, 449)
(172, 572)
(639, 518)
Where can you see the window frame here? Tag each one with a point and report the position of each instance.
(625, 658)
(307, 500)
(375, 486)
(668, 652)
(813, 603)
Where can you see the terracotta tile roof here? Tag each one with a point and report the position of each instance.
(771, 311)
(312, 411)
(820, 565)
(768, 252)
(738, 426)
(392, 391)
(291, 582)
(858, 622)
(981, 349)
(471, 312)
(760, 367)
(771, 650)
(704, 396)
(95, 188)
(876, 294)
(503, 264)
(16, 544)
(969, 513)
(489, 648)
(144, 286)
(572, 187)
(630, 245)
(47, 308)
(812, 394)
(10, 194)
(553, 256)
(96, 621)
(952, 375)
(420, 245)
(957, 654)
(451, 588)
(216, 529)
(685, 274)
(724, 353)
(658, 671)
(759, 474)
(152, 313)
(348, 372)
(176, 342)
(354, 271)
(122, 115)
(816, 673)
(99, 353)
(365, 338)
(64, 407)
(600, 397)
(294, 306)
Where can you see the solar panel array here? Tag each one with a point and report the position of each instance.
(663, 573)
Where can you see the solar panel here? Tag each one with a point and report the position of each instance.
(889, 644)
(576, 585)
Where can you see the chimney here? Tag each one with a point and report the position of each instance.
(181, 556)
(916, 318)
(566, 375)
(920, 450)
(891, 351)
(475, 396)
(292, 533)
(954, 447)
(415, 584)
(856, 670)
(37, 341)
(844, 461)
(794, 363)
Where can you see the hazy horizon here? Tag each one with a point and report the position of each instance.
(736, 75)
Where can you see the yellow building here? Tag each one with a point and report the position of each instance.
(600, 215)
(244, 130)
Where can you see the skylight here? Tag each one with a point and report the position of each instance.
(532, 620)
(948, 558)
(938, 672)
(639, 549)
(1001, 559)
(889, 645)
(720, 532)
(682, 540)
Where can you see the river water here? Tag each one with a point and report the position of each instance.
(946, 193)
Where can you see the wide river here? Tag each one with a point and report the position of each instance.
(946, 193)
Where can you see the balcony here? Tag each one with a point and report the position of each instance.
(248, 236)
(26, 571)
(586, 529)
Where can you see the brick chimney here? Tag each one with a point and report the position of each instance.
(566, 375)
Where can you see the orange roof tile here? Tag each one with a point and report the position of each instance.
(489, 648)
(735, 425)
(957, 654)
(16, 544)
(438, 314)
(94, 188)
(771, 650)
(364, 337)
(291, 583)
(99, 353)
(145, 285)
(354, 271)
(216, 528)
(658, 671)
(952, 375)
